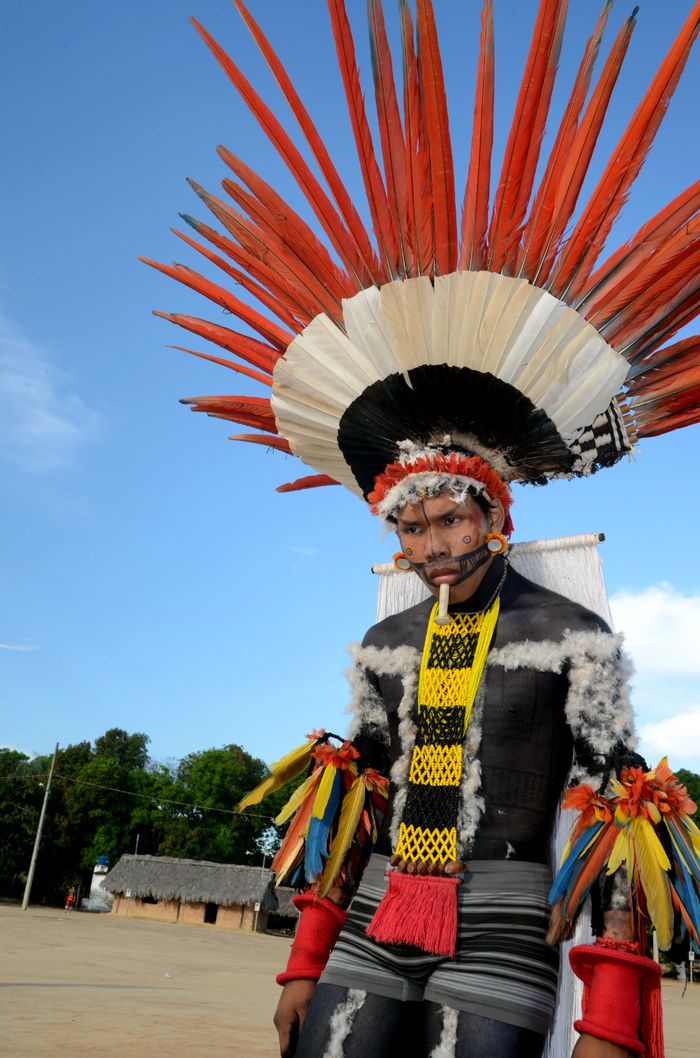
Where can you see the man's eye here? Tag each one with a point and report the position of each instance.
(452, 519)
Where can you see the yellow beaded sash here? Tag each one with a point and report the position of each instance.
(452, 665)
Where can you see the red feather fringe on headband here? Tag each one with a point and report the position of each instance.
(442, 463)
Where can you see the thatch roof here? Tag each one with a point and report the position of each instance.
(192, 881)
(285, 907)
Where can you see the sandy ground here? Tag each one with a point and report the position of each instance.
(94, 986)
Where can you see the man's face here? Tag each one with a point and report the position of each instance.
(435, 532)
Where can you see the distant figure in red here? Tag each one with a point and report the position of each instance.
(70, 899)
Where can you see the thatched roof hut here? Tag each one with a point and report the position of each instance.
(192, 881)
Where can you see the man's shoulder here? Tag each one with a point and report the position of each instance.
(546, 614)
(406, 628)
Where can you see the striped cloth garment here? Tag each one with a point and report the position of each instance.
(503, 968)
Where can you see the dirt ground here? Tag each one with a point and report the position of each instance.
(94, 986)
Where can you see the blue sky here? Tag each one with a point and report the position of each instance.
(151, 576)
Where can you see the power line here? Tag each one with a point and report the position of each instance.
(147, 797)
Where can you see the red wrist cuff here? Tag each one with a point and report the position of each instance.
(319, 925)
(621, 999)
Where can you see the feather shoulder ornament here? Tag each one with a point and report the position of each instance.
(645, 827)
(510, 330)
(334, 813)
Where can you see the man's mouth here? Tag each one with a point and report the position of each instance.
(443, 574)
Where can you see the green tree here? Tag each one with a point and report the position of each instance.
(692, 783)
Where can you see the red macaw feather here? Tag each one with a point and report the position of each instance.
(250, 349)
(363, 261)
(263, 254)
(250, 252)
(313, 481)
(291, 226)
(623, 263)
(248, 411)
(593, 227)
(269, 330)
(683, 352)
(317, 198)
(390, 130)
(525, 137)
(555, 199)
(672, 272)
(281, 306)
(671, 290)
(475, 208)
(383, 220)
(591, 867)
(420, 198)
(288, 854)
(676, 317)
(320, 298)
(439, 143)
(240, 368)
(280, 444)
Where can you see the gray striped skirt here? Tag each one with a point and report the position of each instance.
(503, 968)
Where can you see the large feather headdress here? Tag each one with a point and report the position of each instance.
(504, 331)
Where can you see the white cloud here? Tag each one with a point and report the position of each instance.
(678, 737)
(662, 633)
(301, 549)
(43, 422)
(21, 648)
(662, 629)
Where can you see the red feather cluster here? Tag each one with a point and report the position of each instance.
(453, 463)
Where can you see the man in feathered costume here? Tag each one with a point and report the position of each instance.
(427, 370)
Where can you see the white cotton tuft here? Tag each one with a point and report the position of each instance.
(447, 1046)
(342, 1020)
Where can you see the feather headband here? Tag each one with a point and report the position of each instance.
(506, 329)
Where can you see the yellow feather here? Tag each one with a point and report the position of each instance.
(324, 791)
(350, 813)
(297, 797)
(281, 772)
(620, 851)
(652, 864)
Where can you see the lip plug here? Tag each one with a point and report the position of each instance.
(442, 617)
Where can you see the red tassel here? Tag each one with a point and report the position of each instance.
(621, 998)
(420, 910)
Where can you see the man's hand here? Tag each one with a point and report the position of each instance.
(592, 1047)
(290, 1013)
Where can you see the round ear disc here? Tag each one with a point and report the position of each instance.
(401, 562)
(497, 543)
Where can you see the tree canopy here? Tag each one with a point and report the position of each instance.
(108, 795)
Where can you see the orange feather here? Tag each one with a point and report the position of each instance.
(363, 262)
(475, 208)
(593, 867)
(525, 137)
(240, 368)
(539, 234)
(320, 298)
(269, 330)
(248, 411)
(281, 306)
(439, 143)
(317, 198)
(313, 481)
(609, 196)
(280, 444)
(420, 199)
(250, 349)
(624, 262)
(382, 217)
(390, 130)
(311, 248)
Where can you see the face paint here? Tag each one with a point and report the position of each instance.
(466, 564)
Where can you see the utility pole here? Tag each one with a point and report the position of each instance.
(37, 839)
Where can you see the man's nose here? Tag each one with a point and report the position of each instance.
(439, 547)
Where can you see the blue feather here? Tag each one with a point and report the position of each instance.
(568, 870)
(319, 832)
